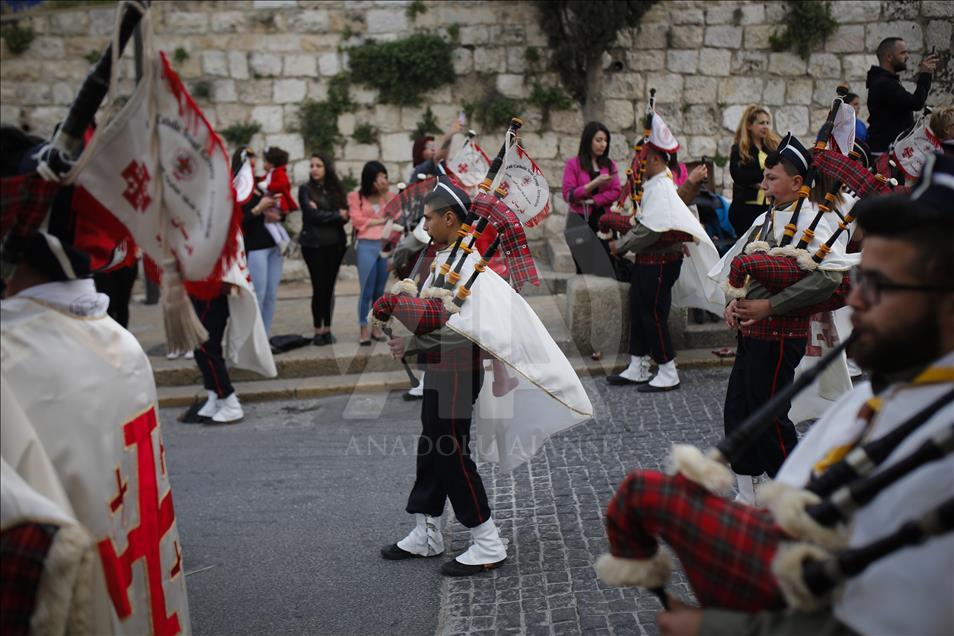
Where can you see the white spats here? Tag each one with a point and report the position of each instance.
(638, 369)
(211, 405)
(229, 411)
(666, 376)
(427, 537)
(746, 494)
(486, 546)
(622, 572)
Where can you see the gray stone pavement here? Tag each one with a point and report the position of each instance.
(291, 506)
(552, 511)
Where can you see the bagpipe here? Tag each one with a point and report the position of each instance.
(617, 219)
(434, 306)
(814, 518)
(808, 576)
(780, 267)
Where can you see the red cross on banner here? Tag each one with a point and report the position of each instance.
(137, 177)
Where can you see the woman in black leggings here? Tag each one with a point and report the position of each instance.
(324, 214)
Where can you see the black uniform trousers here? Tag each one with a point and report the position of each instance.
(118, 285)
(650, 298)
(762, 368)
(445, 469)
(214, 315)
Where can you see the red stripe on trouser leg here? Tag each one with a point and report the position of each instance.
(662, 341)
(725, 548)
(778, 367)
(460, 451)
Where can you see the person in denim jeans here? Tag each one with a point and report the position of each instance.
(366, 210)
(263, 254)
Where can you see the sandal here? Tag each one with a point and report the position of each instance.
(364, 343)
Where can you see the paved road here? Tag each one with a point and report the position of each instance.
(291, 506)
(289, 510)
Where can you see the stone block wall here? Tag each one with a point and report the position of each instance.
(260, 59)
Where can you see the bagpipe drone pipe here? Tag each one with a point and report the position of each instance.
(817, 514)
(780, 267)
(429, 311)
(616, 219)
(808, 575)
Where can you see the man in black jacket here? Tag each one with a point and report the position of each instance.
(889, 105)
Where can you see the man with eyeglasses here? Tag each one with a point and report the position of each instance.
(903, 303)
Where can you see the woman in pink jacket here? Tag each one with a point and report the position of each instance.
(366, 210)
(591, 182)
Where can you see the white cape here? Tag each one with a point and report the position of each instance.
(80, 427)
(549, 397)
(909, 591)
(247, 345)
(662, 210)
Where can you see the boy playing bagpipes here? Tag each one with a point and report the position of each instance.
(773, 325)
(454, 328)
(664, 231)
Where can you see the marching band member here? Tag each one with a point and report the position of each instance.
(540, 395)
(904, 305)
(738, 557)
(772, 334)
(664, 230)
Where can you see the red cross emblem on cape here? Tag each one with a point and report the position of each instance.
(156, 518)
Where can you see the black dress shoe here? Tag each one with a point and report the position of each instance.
(364, 343)
(456, 568)
(394, 553)
(319, 340)
(329, 338)
(649, 388)
(618, 380)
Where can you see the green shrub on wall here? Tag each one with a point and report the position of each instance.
(239, 135)
(365, 133)
(18, 38)
(318, 121)
(403, 70)
(494, 110)
(808, 24)
(427, 125)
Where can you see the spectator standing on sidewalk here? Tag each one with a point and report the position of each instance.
(426, 154)
(754, 140)
(323, 242)
(889, 104)
(366, 209)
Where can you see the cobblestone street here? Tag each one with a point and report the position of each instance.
(552, 511)
(282, 517)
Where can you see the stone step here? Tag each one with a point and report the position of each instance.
(378, 381)
(559, 256)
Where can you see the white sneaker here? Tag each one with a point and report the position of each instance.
(190, 354)
(172, 355)
(229, 411)
(211, 405)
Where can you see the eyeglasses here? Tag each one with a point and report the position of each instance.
(871, 284)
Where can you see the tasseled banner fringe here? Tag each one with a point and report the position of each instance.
(184, 332)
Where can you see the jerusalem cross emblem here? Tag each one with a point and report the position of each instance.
(137, 179)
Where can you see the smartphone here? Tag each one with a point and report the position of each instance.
(462, 118)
